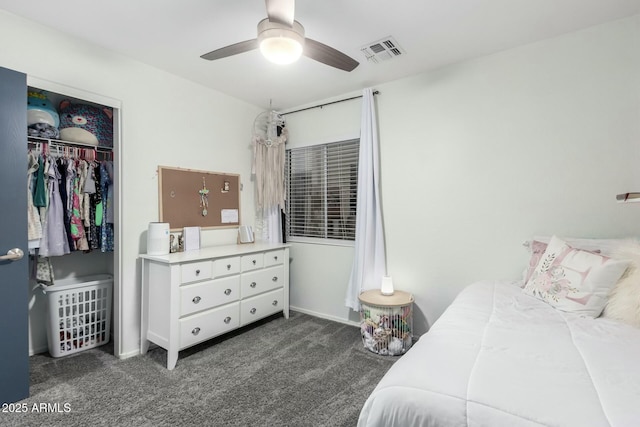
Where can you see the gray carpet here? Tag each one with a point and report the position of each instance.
(303, 371)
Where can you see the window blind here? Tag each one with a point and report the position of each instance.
(322, 184)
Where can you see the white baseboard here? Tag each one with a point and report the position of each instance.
(38, 350)
(129, 354)
(325, 316)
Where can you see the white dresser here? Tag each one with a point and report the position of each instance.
(190, 297)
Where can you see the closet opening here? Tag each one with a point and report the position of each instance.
(73, 138)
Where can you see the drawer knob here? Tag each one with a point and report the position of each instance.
(253, 284)
(274, 278)
(227, 291)
(227, 320)
(228, 266)
(275, 302)
(197, 272)
(275, 257)
(254, 262)
(252, 311)
(196, 300)
(195, 331)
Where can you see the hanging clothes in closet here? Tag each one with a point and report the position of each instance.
(106, 184)
(34, 226)
(69, 195)
(54, 239)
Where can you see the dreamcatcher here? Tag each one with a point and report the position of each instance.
(268, 129)
(269, 137)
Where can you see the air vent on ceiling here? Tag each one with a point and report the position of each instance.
(382, 50)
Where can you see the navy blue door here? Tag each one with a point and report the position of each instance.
(14, 279)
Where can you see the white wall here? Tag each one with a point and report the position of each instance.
(166, 120)
(476, 157)
(479, 156)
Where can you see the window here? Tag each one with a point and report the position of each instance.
(322, 184)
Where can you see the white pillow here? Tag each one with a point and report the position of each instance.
(601, 246)
(574, 280)
(624, 299)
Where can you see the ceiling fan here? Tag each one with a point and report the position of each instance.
(281, 40)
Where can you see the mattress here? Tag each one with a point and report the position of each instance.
(497, 357)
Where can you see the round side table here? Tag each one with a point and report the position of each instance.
(386, 322)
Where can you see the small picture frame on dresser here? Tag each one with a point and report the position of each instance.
(176, 242)
(191, 237)
(245, 234)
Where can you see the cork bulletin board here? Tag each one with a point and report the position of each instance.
(194, 198)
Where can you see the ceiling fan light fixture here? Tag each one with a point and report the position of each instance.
(281, 50)
(279, 43)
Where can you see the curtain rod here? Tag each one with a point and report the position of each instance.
(375, 92)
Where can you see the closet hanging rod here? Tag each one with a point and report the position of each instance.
(375, 92)
(57, 142)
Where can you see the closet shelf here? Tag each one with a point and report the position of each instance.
(59, 142)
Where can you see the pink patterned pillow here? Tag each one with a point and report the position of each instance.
(537, 250)
(574, 280)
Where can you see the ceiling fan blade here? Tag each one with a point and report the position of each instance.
(281, 11)
(328, 55)
(230, 50)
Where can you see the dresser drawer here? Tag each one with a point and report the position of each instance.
(226, 266)
(195, 271)
(273, 258)
(208, 324)
(251, 262)
(256, 282)
(261, 306)
(209, 294)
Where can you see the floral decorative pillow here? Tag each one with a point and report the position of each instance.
(574, 280)
(537, 250)
(538, 245)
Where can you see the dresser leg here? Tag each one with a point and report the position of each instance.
(172, 359)
(144, 346)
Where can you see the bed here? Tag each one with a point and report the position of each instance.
(499, 356)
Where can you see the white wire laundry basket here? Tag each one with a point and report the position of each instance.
(386, 322)
(78, 313)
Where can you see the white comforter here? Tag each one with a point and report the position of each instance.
(497, 357)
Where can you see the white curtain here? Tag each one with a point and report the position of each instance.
(269, 225)
(369, 263)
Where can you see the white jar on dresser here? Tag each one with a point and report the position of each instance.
(190, 297)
